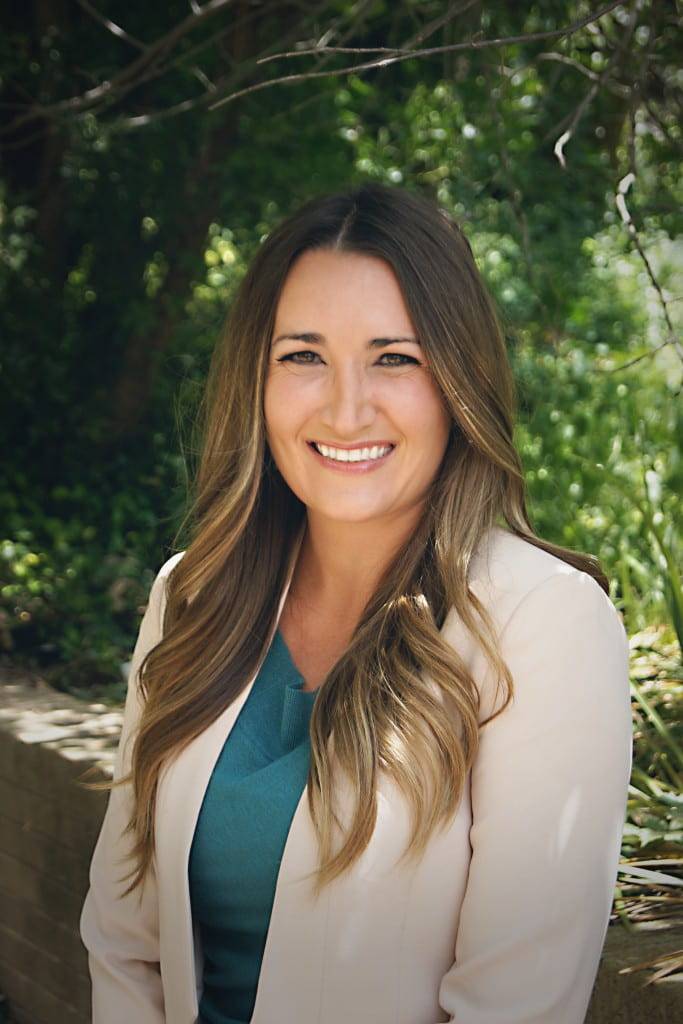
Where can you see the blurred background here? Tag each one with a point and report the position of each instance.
(147, 149)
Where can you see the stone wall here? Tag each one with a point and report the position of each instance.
(48, 828)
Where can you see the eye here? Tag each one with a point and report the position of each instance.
(290, 357)
(399, 355)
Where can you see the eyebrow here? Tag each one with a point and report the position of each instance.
(313, 338)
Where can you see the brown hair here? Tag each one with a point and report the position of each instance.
(222, 596)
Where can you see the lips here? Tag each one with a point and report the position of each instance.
(353, 447)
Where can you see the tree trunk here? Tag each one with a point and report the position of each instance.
(197, 209)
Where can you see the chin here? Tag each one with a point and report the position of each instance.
(341, 514)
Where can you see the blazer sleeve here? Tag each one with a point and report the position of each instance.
(121, 934)
(549, 788)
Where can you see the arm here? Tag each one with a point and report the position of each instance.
(121, 935)
(549, 791)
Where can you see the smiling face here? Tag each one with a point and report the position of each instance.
(348, 386)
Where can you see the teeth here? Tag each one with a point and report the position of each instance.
(355, 455)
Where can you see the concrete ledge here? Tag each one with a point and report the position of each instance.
(627, 997)
(48, 829)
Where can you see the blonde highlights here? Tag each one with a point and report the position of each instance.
(400, 700)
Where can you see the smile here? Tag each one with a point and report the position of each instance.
(354, 460)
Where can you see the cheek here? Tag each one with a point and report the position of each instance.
(276, 400)
(284, 404)
(420, 410)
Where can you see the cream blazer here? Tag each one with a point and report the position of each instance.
(504, 918)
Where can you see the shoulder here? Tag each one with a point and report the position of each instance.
(561, 636)
(169, 565)
(512, 577)
(157, 594)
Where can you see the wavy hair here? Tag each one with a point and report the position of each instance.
(375, 705)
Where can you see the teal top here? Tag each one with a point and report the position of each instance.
(248, 806)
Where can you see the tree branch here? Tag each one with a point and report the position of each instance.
(620, 200)
(126, 78)
(395, 55)
(112, 91)
(111, 26)
(562, 141)
(404, 53)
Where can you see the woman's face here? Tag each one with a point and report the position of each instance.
(347, 386)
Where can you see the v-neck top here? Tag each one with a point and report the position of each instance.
(239, 838)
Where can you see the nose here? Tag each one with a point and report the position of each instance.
(349, 407)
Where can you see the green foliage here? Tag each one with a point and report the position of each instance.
(75, 566)
(121, 248)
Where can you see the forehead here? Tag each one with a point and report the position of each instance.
(329, 286)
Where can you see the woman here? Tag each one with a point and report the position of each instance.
(380, 732)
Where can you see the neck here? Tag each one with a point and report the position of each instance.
(340, 563)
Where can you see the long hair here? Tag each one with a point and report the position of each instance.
(379, 706)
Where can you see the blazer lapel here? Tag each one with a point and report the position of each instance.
(294, 954)
(181, 789)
